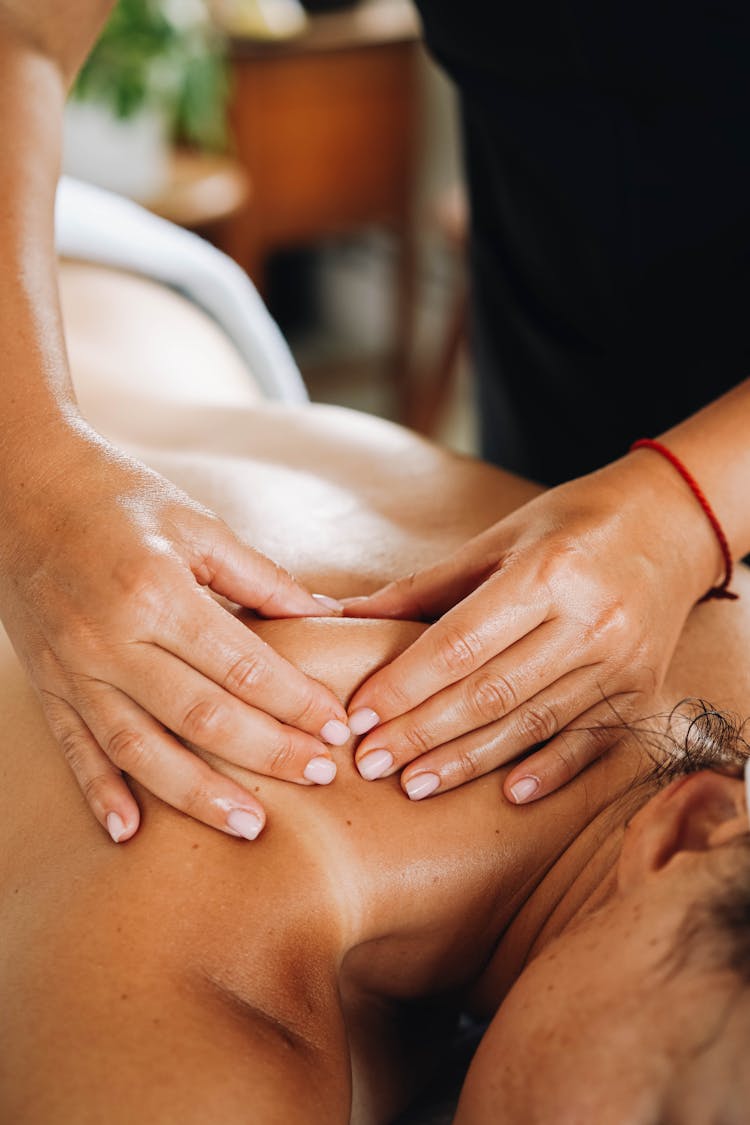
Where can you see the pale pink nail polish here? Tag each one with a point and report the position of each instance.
(335, 733)
(115, 826)
(362, 720)
(421, 786)
(375, 764)
(329, 603)
(523, 789)
(245, 824)
(320, 770)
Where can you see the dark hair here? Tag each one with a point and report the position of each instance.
(701, 737)
(696, 737)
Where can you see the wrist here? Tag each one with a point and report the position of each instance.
(33, 455)
(678, 524)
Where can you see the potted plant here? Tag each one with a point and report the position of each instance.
(156, 74)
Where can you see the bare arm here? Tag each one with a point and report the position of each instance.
(105, 568)
(560, 620)
(40, 52)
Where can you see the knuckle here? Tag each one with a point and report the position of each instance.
(576, 747)
(203, 721)
(569, 758)
(128, 750)
(276, 580)
(281, 756)
(537, 723)
(417, 740)
(307, 708)
(73, 748)
(196, 798)
(390, 697)
(458, 652)
(468, 762)
(609, 626)
(138, 585)
(559, 565)
(245, 675)
(492, 695)
(95, 788)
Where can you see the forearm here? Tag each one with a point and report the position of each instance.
(37, 65)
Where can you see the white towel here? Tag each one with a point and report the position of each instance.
(93, 225)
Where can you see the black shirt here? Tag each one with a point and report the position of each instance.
(608, 158)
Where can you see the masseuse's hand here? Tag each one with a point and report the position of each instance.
(105, 572)
(554, 627)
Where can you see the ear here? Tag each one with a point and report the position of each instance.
(693, 814)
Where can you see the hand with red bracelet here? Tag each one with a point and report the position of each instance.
(553, 627)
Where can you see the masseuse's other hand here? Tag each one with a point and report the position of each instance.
(555, 625)
(105, 572)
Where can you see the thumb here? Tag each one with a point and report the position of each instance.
(426, 594)
(239, 572)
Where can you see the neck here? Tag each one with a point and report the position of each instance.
(571, 849)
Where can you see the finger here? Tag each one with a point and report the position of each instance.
(565, 756)
(194, 708)
(428, 593)
(486, 623)
(136, 744)
(497, 688)
(238, 572)
(214, 642)
(102, 785)
(475, 754)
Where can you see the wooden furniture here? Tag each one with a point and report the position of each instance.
(202, 190)
(326, 127)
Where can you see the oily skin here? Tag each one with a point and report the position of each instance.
(348, 892)
(106, 660)
(94, 545)
(545, 619)
(367, 892)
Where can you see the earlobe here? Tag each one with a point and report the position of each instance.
(695, 813)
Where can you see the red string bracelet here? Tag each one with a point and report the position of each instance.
(722, 590)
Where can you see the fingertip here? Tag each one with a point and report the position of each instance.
(334, 607)
(320, 771)
(374, 764)
(362, 720)
(121, 826)
(523, 789)
(245, 823)
(354, 607)
(335, 732)
(421, 785)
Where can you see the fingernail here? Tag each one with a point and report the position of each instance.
(335, 733)
(245, 824)
(329, 603)
(320, 770)
(421, 786)
(375, 764)
(115, 826)
(362, 720)
(524, 789)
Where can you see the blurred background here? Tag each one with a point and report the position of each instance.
(317, 144)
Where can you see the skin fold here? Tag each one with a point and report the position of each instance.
(191, 976)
